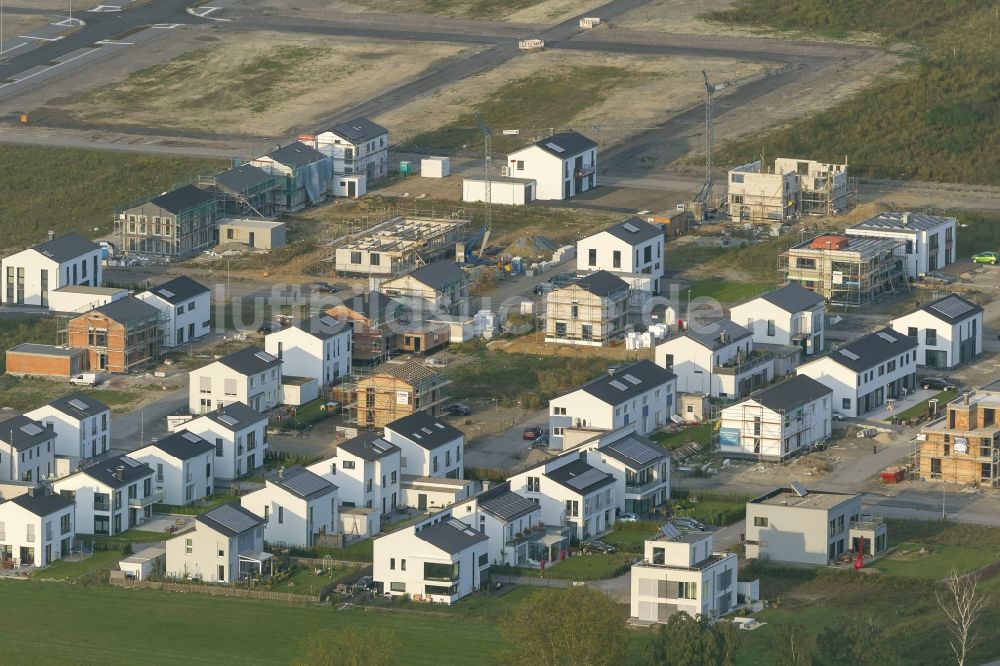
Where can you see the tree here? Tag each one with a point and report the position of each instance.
(795, 646)
(856, 641)
(962, 605)
(574, 626)
(349, 647)
(688, 641)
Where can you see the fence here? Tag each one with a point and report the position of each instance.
(216, 590)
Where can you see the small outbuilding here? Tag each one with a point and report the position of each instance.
(435, 167)
(254, 232)
(509, 191)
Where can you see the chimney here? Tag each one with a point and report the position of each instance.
(965, 398)
(52, 234)
(281, 472)
(31, 491)
(906, 219)
(120, 472)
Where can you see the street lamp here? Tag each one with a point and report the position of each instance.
(142, 427)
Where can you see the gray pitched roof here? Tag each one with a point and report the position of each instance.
(627, 382)
(635, 451)
(242, 178)
(424, 430)
(322, 326)
(792, 298)
(505, 504)
(301, 482)
(452, 536)
(952, 308)
(182, 445)
(358, 130)
(127, 310)
(79, 405)
(719, 334)
(580, 477)
(374, 305)
(368, 446)
(601, 283)
(798, 390)
(566, 144)
(66, 247)
(907, 222)
(635, 230)
(230, 519)
(43, 504)
(22, 433)
(179, 289)
(296, 155)
(182, 199)
(250, 360)
(873, 349)
(439, 274)
(104, 471)
(236, 416)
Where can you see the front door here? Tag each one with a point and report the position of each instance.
(416, 343)
(422, 502)
(190, 332)
(102, 361)
(251, 240)
(352, 188)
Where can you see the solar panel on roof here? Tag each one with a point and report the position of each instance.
(849, 354)
(558, 149)
(167, 293)
(590, 477)
(228, 420)
(264, 356)
(31, 429)
(799, 489)
(77, 404)
(507, 505)
(628, 226)
(306, 483)
(669, 531)
(637, 451)
(885, 336)
(191, 437)
(631, 379)
(618, 385)
(428, 431)
(131, 463)
(952, 307)
(439, 425)
(232, 518)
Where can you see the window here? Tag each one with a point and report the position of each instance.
(397, 587)
(930, 337)
(760, 521)
(392, 563)
(845, 403)
(188, 546)
(402, 565)
(102, 525)
(592, 257)
(559, 411)
(520, 165)
(770, 327)
(218, 447)
(65, 524)
(347, 464)
(911, 331)
(616, 259)
(355, 257)
(393, 477)
(572, 508)
(737, 177)
(374, 258)
(281, 514)
(687, 590)
(534, 484)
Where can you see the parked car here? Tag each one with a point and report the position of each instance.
(837, 416)
(628, 518)
(937, 383)
(458, 409)
(938, 278)
(543, 288)
(532, 433)
(324, 287)
(269, 327)
(985, 258)
(596, 547)
(85, 379)
(432, 362)
(689, 523)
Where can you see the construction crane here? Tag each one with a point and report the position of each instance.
(705, 195)
(487, 184)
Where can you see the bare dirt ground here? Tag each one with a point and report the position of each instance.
(537, 11)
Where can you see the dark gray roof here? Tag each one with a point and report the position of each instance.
(602, 283)
(375, 306)
(798, 390)
(873, 349)
(43, 504)
(127, 310)
(46, 350)
(792, 298)
(504, 503)
(22, 433)
(358, 130)
(296, 155)
(635, 230)
(425, 430)
(627, 382)
(236, 416)
(566, 144)
(322, 326)
(634, 450)
(301, 482)
(182, 199)
(452, 536)
(250, 360)
(179, 289)
(242, 178)
(908, 222)
(368, 446)
(104, 471)
(719, 334)
(79, 405)
(952, 308)
(580, 477)
(183, 445)
(440, 274)
(66, 247)
(230, 519)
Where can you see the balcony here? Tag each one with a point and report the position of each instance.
(143, 502)
(734, 367)
(868, 524)
(647, 487)
(102, 506)
(584, 170)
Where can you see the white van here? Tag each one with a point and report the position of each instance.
(85, 379)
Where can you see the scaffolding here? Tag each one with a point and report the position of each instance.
(762, 437)
(374, 397)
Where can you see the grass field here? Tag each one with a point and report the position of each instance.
(919, 408)
(631, 537)
(937, 122)
(304, 581)
(25, 393)
(68, 189)
(471, 8)
(701, 433)
(62, 570)
(906, 560)
(727, 291)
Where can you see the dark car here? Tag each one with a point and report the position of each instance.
(324, 287)
(596, 547)
(937, 383)
(458, 409)
(269, 327)
(532, 433)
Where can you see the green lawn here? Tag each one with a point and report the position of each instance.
(727, 292)
(710, 508)
(62, 570)
(936, 563)
(578, 567)
(918, 409)
(631, 537)
(359, 551)
(304, 581)
(701, 433)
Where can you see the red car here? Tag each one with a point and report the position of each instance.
(532, 433)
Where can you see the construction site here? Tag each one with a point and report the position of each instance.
(792, 189)
(391, 391)
(963, 445)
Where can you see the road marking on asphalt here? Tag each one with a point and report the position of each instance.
(202, 12)
(42, 39)
(165, 26)
(16, 46)
(70, 22)
(110, 42)
(105, 8)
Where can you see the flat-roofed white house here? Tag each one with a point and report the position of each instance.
(633, 250)
(789, 315)
(930, 239)
(777, 422)
(31, 275)
(251, 376)
(428, 446)
(112, 495)
(718, 360)
(184, 465)
(27, 450)
(440, 559)
(867, 372)
(366, 471)
(642, 393)
(36, 529)
(187, 309)
(802, 526)
(297, 505)
(226, 545)
(682, 573)
(318, 347)
(592, 311)
(948, 331)
(562, 165)
(82, 426)
(239, 435)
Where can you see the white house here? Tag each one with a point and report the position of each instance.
(82, 426)
(366, 471)
(305, 175)
(789, 315)
(439, 559)
(562, 165)
(251, 376)
(318, 347)
(681, 573)
(27, 450)
(718, 360)
(30, 275)
(36, 529)
(642, 393)
(633, 250)
(297, 505)
(777, 422)
(641, 468)
(948, 331)
(428, 446)
(226, 545)
(186, 306)
(930, 239)
(183, 462)
(358, 147)
(112, 495)
(239, 435)
(867, 372)
(435, 288)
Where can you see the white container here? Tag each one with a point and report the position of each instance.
(435, 167)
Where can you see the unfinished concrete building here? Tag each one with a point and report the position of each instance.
(792, 188)
(846, 270)
(824, 189)
(398, 245)
(963, 446)
(396, 389)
